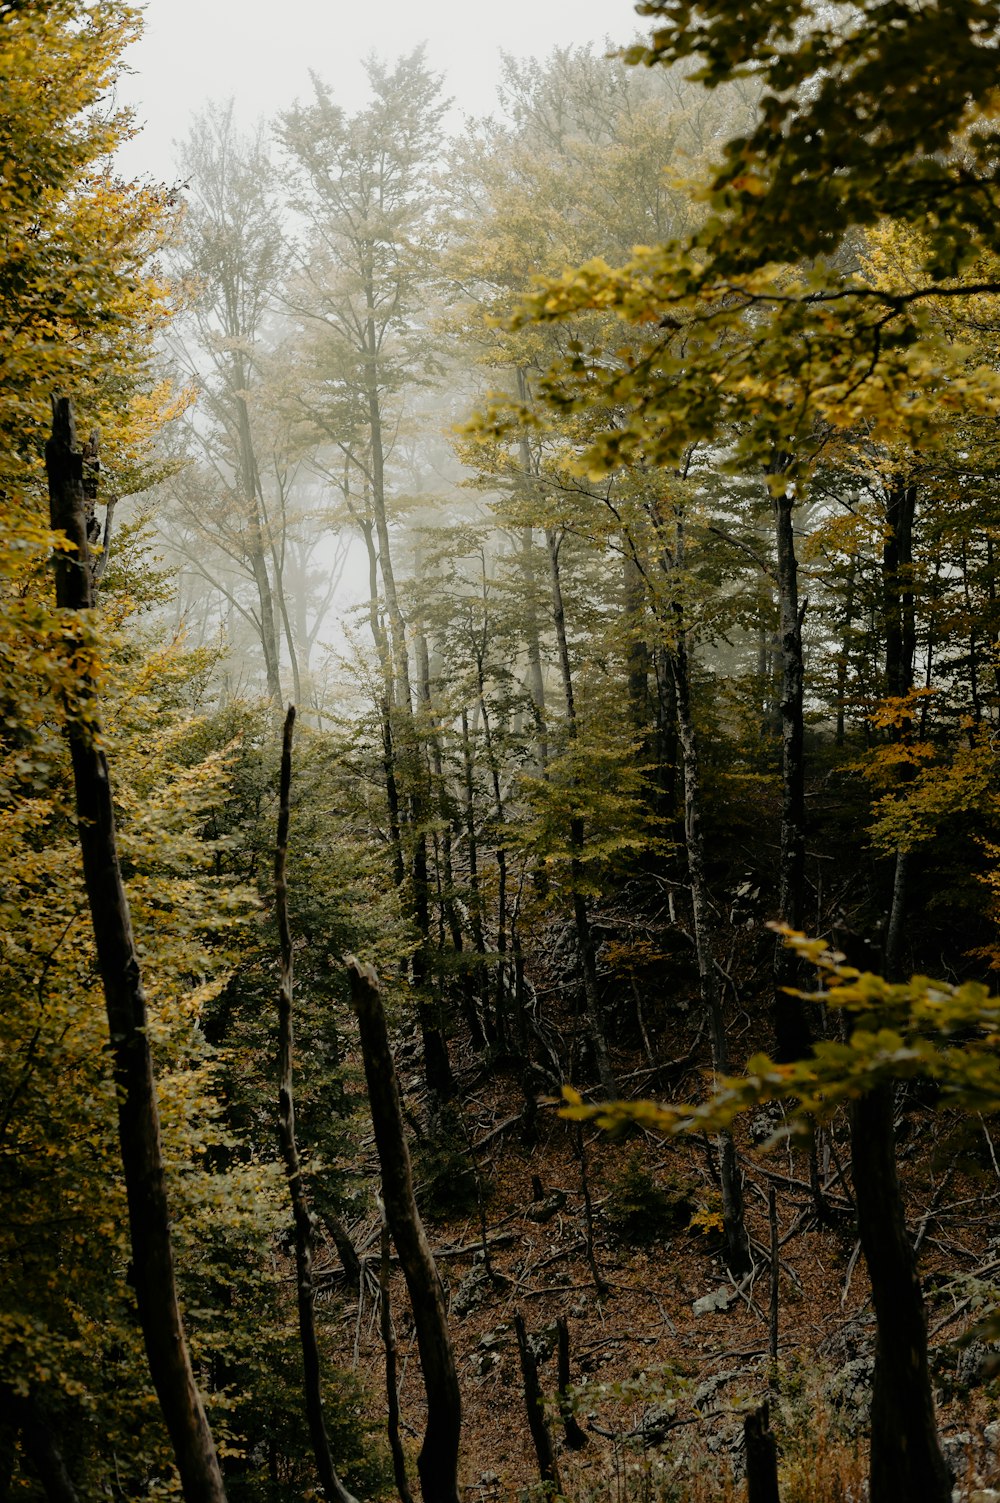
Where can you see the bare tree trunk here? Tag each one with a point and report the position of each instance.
(792, 1034)
(762, 1457)
(391, 1389)
(737, 1243)
(472, 848)
(332, 1486)
(906, 1457)
(532, 635)
(575, 1437)
(438, 1460)
(900, 649)
(541, 1439)
(500, 1010)
(843, 659)
(637, 650)
(250, 485)
(385, 709)
(125, 999)
(581, 917)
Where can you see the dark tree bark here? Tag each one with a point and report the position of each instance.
(762, 1458)
(332, 1486)
(897, 583)
(38, 1442)
(346, 1251)
(125, 999)
(575, 1437)
(900, 649)
(438, 1460)
(540, 1437)
(906, 1457)
(772, 1322)
(791, 1029)
(391, 1388)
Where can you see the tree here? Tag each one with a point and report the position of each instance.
(361, 185)
(231, 255)
(914, 1030)
(118, 961)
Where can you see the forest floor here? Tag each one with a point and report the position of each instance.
(661, 1382)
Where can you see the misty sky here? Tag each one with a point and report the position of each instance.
(260, 54)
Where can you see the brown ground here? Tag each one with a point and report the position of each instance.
(641, 1335)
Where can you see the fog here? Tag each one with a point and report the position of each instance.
(261, 55)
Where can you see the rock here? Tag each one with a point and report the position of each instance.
(730, 1443)
(470, 1292)
(991, 1436)
(655, 1424)
(708, 1389)
(850, 1391)
(543, 1342)
(984, 1495)
(957, 1450)
(493, 1339)
(973, 1364)
(710, 1303)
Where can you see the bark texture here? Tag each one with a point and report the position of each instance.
(332, 1486)
(437, 1463)
(762, 1457)
(540, 1437)
(791, 1029)
(125, 1000)
(906, 1457)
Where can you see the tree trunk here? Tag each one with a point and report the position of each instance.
(581, 918)
(906, 1457)
(575, 1437)
(438, 1460)
(541, 1439)
(791, 1029)
(385, 709)
(125, 999)
(897, 582)
(637, 649)
(332, 1486)
(250, 484)
(762, 1457)
(900, 649)
(532, 636)
(844, 656)
(25, 1415)
(737, 1244)
(391, 1388)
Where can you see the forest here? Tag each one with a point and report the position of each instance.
(499, 740)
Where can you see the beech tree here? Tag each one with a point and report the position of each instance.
(360, 182)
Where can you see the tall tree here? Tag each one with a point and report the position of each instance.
(361, 183)
(232, 255)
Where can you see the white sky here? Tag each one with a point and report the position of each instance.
(260, 54)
